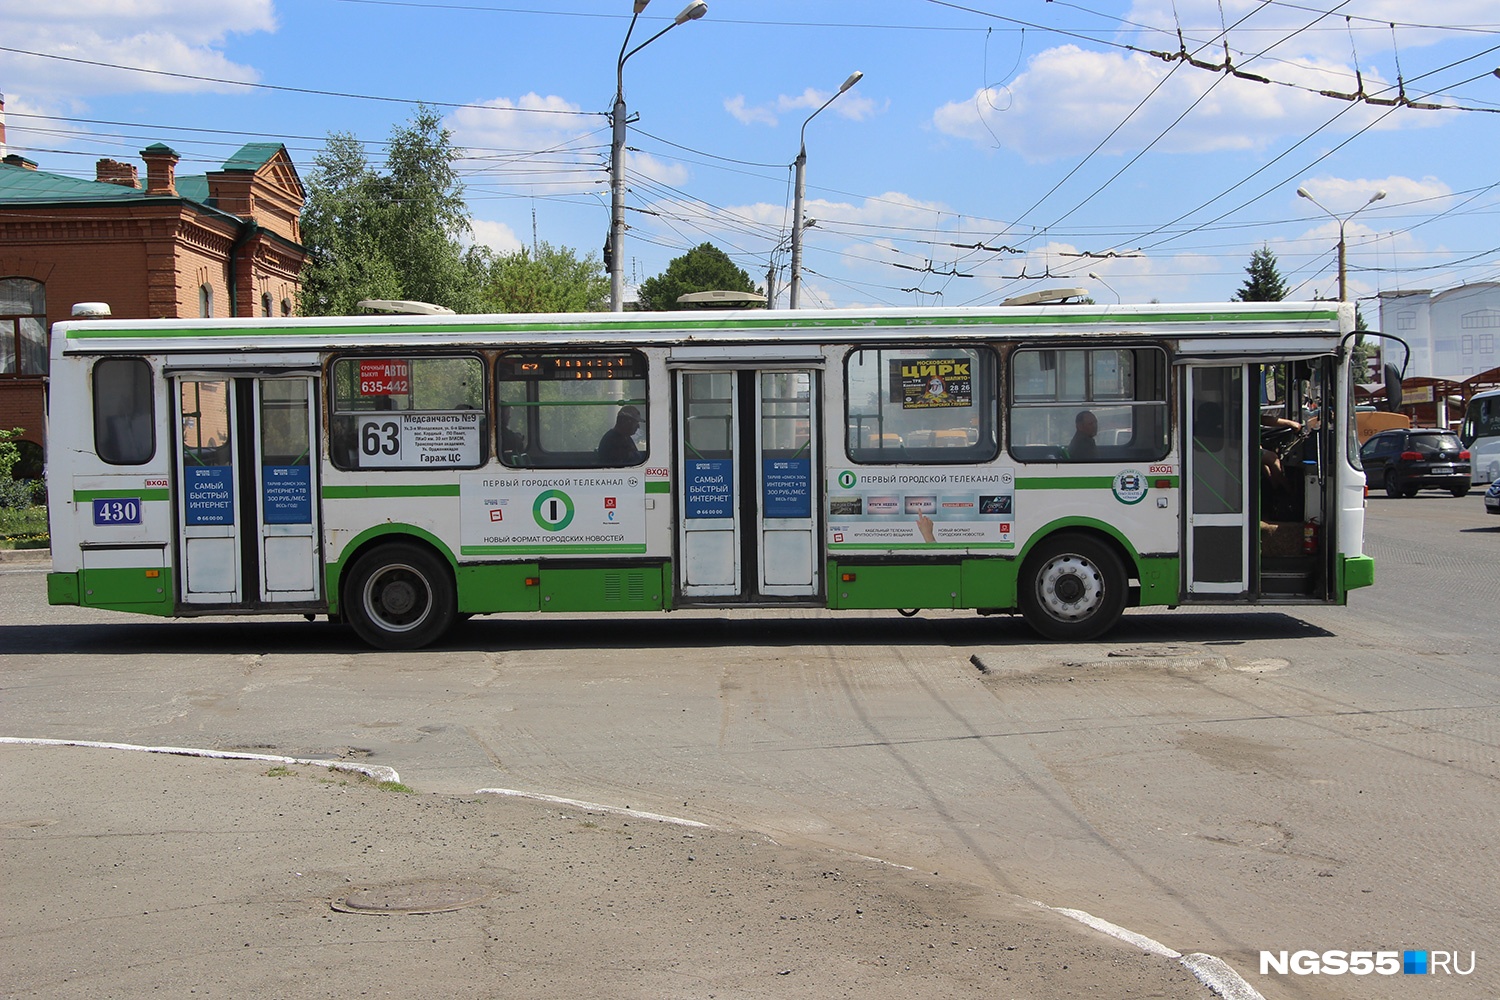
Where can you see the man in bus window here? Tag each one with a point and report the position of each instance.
(1083, 448)
(617, 446)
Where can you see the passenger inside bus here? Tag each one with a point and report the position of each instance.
(617, 447)
(1083, 447)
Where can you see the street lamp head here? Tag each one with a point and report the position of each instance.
(1376, 196)
(1304, 193)
(692, 12)
(854, 78)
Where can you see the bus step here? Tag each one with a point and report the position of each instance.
(1284, 582)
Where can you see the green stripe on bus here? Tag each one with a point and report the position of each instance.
(384, 491)
(1087, 482)
(658, 487)
(94, 331)
(1065, 482)
(86, 496)
(512, 550)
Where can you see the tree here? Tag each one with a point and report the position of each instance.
(552, 279)
(704, 268)
(392, 235)
(1265, 283)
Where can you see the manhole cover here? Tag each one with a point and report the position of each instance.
(415, 897)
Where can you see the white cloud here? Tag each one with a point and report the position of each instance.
(1069, 99)
(852, 106)
(639, 164)
(496, 235)
(528, 123)
(747, 115)
(173, 36)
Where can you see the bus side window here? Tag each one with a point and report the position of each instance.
(1100, 404)
(124, 411)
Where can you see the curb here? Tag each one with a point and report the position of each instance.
(25, 556)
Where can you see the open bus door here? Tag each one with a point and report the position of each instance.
(246, 506)
(1262, 504)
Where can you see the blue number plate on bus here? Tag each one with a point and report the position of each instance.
(121, 510)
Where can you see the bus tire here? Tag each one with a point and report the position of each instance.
(399, 596)
(1072, 588)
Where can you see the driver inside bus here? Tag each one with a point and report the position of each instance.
(617, 447)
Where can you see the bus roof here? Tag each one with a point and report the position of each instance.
(1319, 320)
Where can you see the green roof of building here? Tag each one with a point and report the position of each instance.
(21, 186)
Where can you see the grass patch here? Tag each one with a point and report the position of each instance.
(23, 524)
(281, 771)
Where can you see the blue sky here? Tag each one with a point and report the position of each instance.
(991, 149)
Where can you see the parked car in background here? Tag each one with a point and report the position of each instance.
(1405, 460)
(1492, 498)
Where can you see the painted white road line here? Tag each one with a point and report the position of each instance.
(374, 771)
(1212, 972)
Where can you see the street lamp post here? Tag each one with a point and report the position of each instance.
(801, 189)
(1106, 285)
(1302, 192)
(616, 245)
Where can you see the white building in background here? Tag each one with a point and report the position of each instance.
(1452, 334)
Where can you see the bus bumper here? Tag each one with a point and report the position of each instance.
(62, 588)
(1356, 572)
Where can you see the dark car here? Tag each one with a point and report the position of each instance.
(1492, 498)
(1406, 460)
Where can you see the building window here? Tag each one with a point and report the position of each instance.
(23, 327)
(206, 301)
(286, 307)
(265, 304)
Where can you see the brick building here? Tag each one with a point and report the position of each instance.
(226, 243)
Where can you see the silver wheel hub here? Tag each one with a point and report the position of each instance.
(1070, 587)
(397, 598)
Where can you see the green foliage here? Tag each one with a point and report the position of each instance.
(704, 268)
(552, 279)
(22, 516)
(10, 450)
(1264, 283)
(392, 235)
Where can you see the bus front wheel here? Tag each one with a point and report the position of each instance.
(400, 596)
(1073, 588)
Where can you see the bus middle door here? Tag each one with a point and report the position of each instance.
(748, 507)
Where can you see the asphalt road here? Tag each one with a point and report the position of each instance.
(1229, 782)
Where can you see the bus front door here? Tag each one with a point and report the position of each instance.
(247, 512)
(1219, 426)
(749, 469)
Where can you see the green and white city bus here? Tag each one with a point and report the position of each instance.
(401, 472)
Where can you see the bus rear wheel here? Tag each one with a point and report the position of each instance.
(1072, 588)
(400, 596)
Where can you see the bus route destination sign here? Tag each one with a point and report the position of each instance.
(419, 440)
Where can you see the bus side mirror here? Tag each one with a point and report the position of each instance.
(1392, 388)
